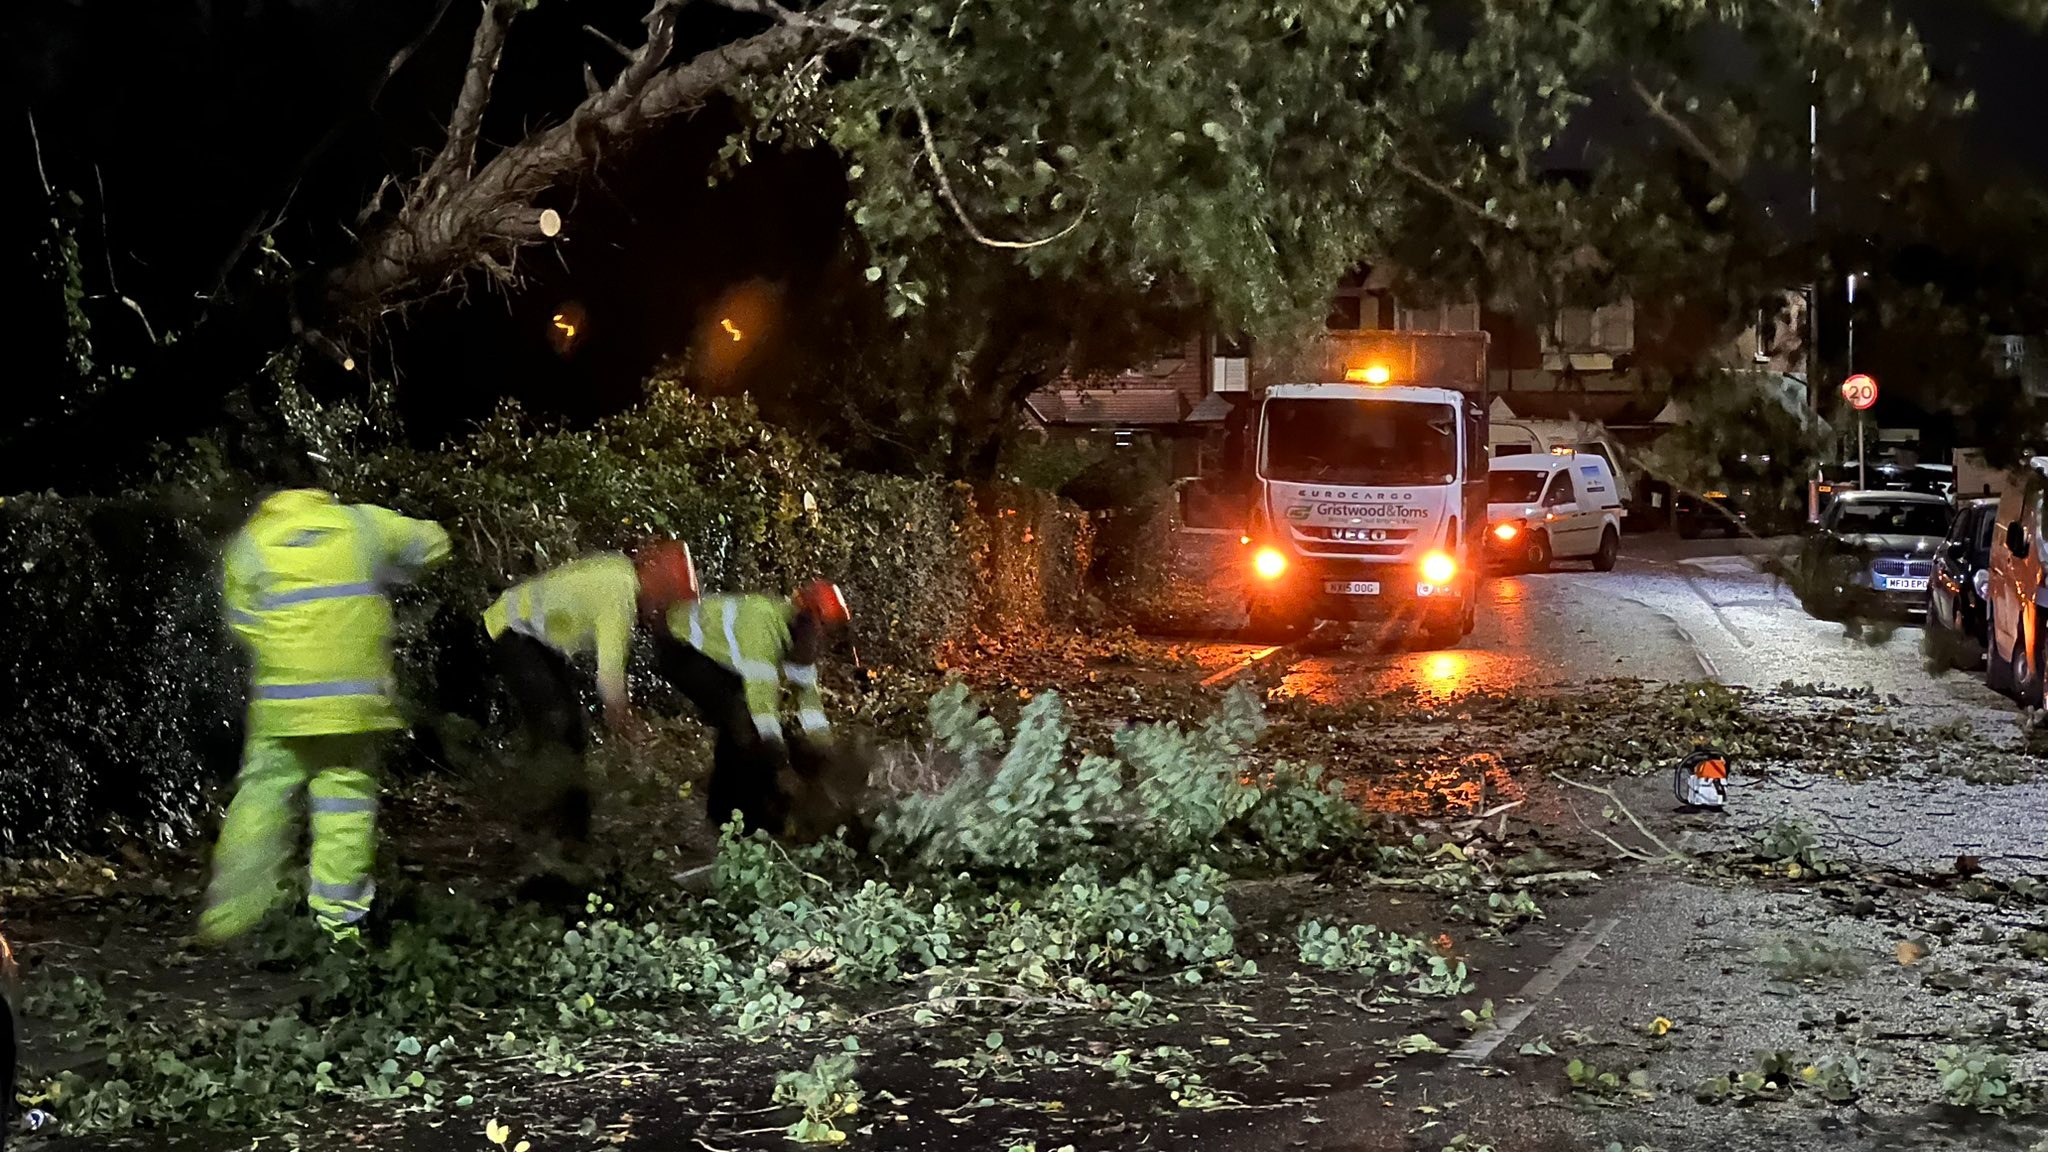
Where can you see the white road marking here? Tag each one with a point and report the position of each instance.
(1699, 654)
(1537, 990)
(1725, 565)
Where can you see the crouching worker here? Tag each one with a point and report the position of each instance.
(732, 656)
(584, 608)
(305, 584)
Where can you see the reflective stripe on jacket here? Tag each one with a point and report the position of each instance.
(585, 606)
(750, 635)
(304, 585)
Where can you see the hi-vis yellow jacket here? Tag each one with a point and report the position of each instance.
(750, 635)
(305, 584)
(586, 605)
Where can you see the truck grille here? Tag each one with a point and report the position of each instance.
(1355, 535)
(1365, 543)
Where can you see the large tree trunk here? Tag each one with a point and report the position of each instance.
(1023, 352)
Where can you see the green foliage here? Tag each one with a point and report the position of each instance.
(1477, 1021)
(120, 673)
(1791, 842)
(827, 1093)
(1840, 1078)
(1607, 1086)
(122, 704)
(1981, 1080)
(457, 977)
(1081, 924)
(1773, 1077)
(1169, 793)
(760, 508)
(1409, 962)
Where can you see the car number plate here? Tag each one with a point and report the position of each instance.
(1352, 587)
(1906, 583)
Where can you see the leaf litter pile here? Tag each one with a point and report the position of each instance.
(1129, 895)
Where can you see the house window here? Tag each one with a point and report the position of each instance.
(1574, 329)
(1346, 314)
(1614, 328)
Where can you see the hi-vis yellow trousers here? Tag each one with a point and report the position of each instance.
(336, 777)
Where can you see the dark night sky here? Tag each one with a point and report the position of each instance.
(196, 115)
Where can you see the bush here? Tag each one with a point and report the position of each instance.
(130, 693)
(124, 698)
(761, 511)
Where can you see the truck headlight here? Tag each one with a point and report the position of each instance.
(1269, 563)
(1438, 568)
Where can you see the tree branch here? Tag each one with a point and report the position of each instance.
(624, 52)
(1615, 803)
(458, 153)
(449, 225)
(1723, 167)
(931, 154)
(820, 18)
(1452, 194)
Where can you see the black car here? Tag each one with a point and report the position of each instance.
(1755, 507)
(1957, 593)
(1877, 549)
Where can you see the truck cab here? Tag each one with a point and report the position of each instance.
(1370, 501)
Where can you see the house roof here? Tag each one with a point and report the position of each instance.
(1120, 406)
(1214, 409)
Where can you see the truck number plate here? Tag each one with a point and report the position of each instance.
(1352, 587)
(1906, 583)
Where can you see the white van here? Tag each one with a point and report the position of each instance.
(1509, 437)
(1563, 505)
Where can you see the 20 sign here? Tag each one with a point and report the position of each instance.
(1860, 391)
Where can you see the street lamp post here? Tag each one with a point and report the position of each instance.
(1861, 482)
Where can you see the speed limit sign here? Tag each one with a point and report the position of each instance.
(1860, 391)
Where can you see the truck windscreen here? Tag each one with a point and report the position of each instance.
(1360, 442)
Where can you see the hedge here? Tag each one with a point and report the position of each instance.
(128, 691)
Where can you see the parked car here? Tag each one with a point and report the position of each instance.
(1956, 597)
(1556, 507)
(1751, 499)
(2012, 660)
(1876, 550)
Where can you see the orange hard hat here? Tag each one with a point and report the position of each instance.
(667, 575)
(822, 598)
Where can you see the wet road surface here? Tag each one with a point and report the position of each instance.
(1691, 948)
(1670, 611)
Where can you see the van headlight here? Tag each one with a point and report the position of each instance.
(1507, 530)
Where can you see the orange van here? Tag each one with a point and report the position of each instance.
(2017, 595)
